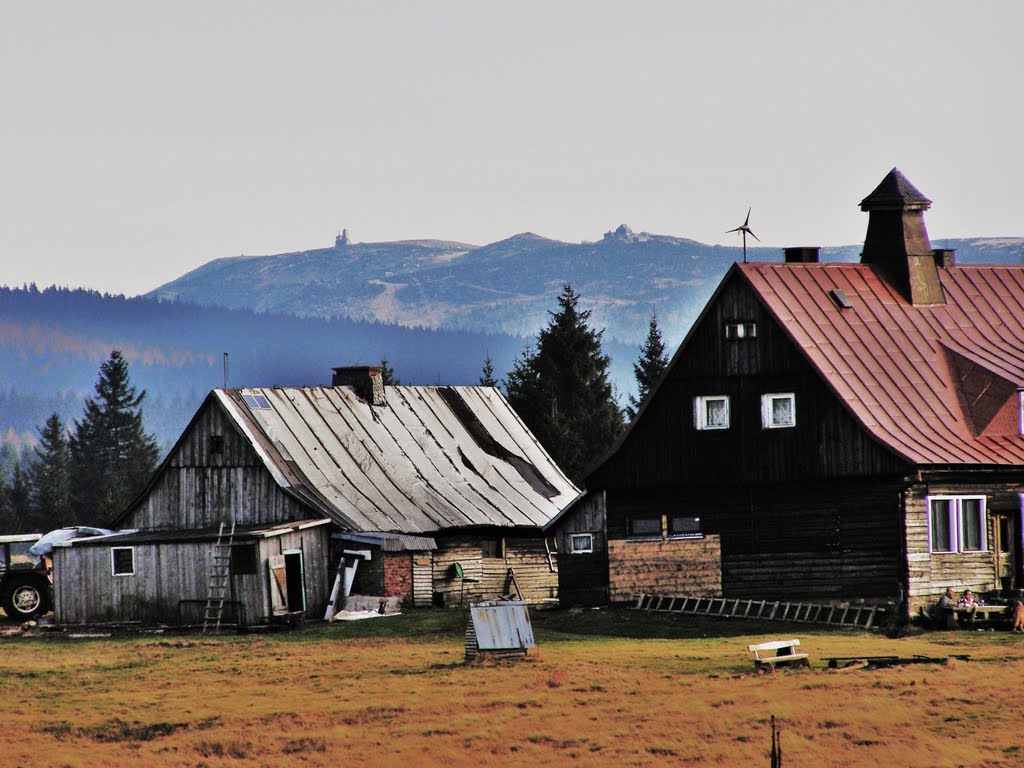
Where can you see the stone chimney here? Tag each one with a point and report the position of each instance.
(366, 380)
(897, 241)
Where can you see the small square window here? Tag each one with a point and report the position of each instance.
(216, 444)
(711, 412)
(244, 559)
(645, 527)
(778, 410)
(684, 527)
(122, 561)
(492, 548)
(581, 543)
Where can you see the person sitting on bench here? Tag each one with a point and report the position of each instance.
(1018, 617)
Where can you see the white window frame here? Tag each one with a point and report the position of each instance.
(956, 533)
(767, 412)
(736, 331)
(575, 537)
(1020, 412)
(700, 412)
(113, 567)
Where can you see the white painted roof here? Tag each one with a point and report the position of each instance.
(433, 458)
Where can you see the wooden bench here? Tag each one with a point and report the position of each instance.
(784, 654)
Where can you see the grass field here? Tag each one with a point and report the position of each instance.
(608, 688)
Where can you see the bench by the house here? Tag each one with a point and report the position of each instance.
(784, 654)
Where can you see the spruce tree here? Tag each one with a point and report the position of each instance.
(562, 392)
(649, 368)
(49, 478)
(487, 374)
(112, 456)
(387, 374)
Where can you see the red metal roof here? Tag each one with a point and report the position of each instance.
(890, 361)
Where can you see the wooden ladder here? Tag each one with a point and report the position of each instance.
(220, 575)
(860, 616)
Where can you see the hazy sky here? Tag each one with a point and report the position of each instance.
(139, 140)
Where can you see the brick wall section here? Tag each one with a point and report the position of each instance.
(672, 567)
(398, 575)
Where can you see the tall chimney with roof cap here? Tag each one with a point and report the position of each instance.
(897, 241)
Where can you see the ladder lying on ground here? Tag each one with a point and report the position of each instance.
(220, 575)
(863, 616)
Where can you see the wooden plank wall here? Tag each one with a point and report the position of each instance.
(664, 448)
(422, 579)
(198, 488)
(86, 592)
(664, 567)
(930, 573)
(525, 554)
(583, 578)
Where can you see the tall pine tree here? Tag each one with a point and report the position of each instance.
(112, 457)
(49, 478)
(562, 392)
(649, 368)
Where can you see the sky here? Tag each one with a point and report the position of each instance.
(140, 140)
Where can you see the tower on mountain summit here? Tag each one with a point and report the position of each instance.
(340, 241)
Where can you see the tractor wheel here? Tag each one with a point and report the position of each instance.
(26, 599)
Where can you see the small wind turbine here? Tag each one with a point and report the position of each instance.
(744, 228)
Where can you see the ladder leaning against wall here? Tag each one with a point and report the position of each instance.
(220, 576)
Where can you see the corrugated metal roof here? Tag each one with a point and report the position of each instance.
(889, 361)
(433, 458)
(389, 542)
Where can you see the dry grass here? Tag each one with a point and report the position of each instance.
(621, 696)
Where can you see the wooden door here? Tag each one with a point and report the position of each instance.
(278, 585)
(1006, 548)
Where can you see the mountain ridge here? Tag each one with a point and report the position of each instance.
(502, 287)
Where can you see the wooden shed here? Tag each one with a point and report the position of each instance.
(436, 495)
(828, 432)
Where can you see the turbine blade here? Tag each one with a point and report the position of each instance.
(754, 236)
(747, 220)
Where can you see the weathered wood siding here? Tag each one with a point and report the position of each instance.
(664, 567)
(930, 573)
(665, 449)
(525, 554)
(583, 578)
(171, 582)
(789, 541)
(199, 487)
(422, 579)
(317, 572)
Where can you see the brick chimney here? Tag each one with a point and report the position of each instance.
(897, 241)
(366, 380)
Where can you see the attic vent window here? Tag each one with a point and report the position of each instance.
(734, 331)
(840, 299)
(256, 402)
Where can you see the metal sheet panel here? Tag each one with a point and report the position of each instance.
(502, 626)
(888, 360)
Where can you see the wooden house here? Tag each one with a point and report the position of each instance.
(434, 495)
(825, 432)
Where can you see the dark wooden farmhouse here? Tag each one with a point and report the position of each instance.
(825, 431)
(434, 495)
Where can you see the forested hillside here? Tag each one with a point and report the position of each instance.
(52, 342)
